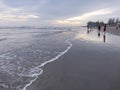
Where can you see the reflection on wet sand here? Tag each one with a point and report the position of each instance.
(103, 33)
(93, 38)
(104, 37)
(98, 33)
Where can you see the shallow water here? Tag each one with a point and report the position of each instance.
(24, 51)
(104, 39)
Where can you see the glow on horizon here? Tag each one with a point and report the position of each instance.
(11, 17)
(68, 22)
(91, 14)
(84, 17)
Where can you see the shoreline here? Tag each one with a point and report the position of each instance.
(113, 30)
(47, 62)
(79, 67)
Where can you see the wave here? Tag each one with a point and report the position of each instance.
(38, 68)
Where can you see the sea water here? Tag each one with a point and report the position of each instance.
(23, 51)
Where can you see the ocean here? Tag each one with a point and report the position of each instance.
(24, 51)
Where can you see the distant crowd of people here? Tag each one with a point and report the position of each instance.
(104, 29)
(100, 28)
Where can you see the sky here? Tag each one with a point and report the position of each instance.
(56, 12)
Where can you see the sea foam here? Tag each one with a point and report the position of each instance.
(43, 64)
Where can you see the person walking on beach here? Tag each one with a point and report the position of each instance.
(104, 31)
(99, 28)
(105, 26)
(88, 28)
(117, 27)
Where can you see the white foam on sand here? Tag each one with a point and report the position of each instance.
(43, 64)
(36, 76)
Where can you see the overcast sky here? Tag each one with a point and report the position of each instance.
(56, 12)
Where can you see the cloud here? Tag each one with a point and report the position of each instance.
(10, 17)
(67, 22)
(91, 14)
(86, 16)
(14, 14)
(47, 12)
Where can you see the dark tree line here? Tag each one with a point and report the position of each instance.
(94, 24)
(111, 22)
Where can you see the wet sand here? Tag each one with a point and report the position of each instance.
(86, 66)
(113, 30)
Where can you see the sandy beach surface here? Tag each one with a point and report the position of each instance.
(113, 30)
(89, 65)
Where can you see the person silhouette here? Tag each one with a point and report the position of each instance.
(88, 28)
(117, 27)
(105, 26)
(99, 28)
(104, 33)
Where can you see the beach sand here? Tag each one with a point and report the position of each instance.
(113, 30)
(86, 66)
